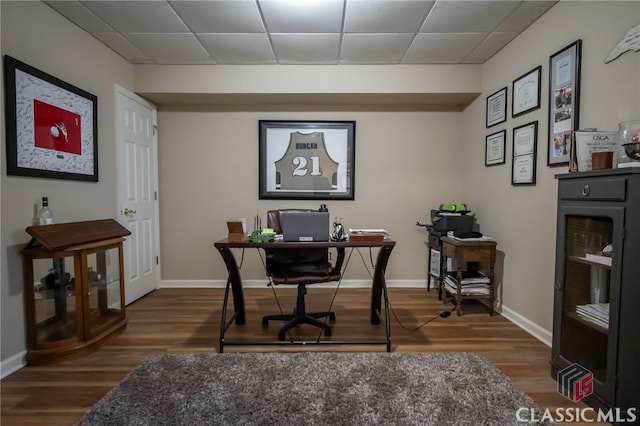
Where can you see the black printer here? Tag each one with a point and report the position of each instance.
(450, 217)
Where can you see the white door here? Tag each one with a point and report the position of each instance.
(136, 150)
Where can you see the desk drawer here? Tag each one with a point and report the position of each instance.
(484, 253)
(448, 250)
(611, 189)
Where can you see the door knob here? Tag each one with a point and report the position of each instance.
(128, 212)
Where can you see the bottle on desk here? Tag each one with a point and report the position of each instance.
(45, 215)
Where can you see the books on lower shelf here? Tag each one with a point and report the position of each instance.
(596, 313)
(473, 283)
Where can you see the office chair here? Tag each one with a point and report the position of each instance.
(300, 267)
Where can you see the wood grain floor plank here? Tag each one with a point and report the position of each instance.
(187, 321)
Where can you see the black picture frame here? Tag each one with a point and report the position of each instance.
(494, 148)
(564, 102)
(525, 92)
(306, 160)
(524, 151)
(496, 108)
(51, 125)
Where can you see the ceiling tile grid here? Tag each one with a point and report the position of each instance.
(259, 32)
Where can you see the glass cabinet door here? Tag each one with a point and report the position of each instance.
(589, 292)
(105, 303)
(54, 300)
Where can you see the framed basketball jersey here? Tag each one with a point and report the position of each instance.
(306, 159)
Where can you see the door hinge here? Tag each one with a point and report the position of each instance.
(155, 195)
(157, 260)
(155, 129)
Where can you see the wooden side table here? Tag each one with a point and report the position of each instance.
(470, 250)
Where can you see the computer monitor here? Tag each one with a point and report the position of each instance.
(298, 225)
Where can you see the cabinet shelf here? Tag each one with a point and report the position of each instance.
(589, 262)
(574, 316)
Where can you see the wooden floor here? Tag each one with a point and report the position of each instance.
(187, 320)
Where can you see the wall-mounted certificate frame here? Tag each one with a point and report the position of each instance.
(496, 108)
(51, 126)
(564, 102)
(494, 148)
(306, 160)
(525, 96)
(525, 140)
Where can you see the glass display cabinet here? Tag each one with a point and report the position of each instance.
(73, 288)
(597, 296)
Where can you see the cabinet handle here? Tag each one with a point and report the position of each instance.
(586, 190)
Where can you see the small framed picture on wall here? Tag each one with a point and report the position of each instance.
(564, 102)
(496, 112)
(525, 139)
(494, 148)
(526, 92)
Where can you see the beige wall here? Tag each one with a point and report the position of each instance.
(406, 163)
(208, 171)
(307, 79)
(523, 219)
(34, 33)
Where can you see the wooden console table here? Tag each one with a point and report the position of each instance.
(463, 251)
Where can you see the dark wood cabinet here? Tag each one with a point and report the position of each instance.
(597, 283)
(73, 288)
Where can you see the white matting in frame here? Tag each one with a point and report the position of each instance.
(51, 126)
(526, 92)
(525, 139)
(494, 148)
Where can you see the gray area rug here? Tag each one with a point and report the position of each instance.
(312, 389)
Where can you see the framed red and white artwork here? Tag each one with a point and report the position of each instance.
(51, 125)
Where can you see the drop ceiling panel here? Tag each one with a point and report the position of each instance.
(138, 16)
(239, 16)
(442, 48)
(309, 16)
(123, 47)
(321, 49)
(80, 15)
(171, 48)
(374, 48)
(489, 47)
(388, 16)
(524, 15)
(467, 16)
(242, 49)
(348, 31)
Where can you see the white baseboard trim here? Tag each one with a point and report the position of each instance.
(545, 336)
(12, 364)
(263, 284)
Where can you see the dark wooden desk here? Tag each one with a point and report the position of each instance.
(468, 251)
(234, 282)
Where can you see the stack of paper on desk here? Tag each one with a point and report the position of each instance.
(473, 282)
(367, 234)
(368, 231)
